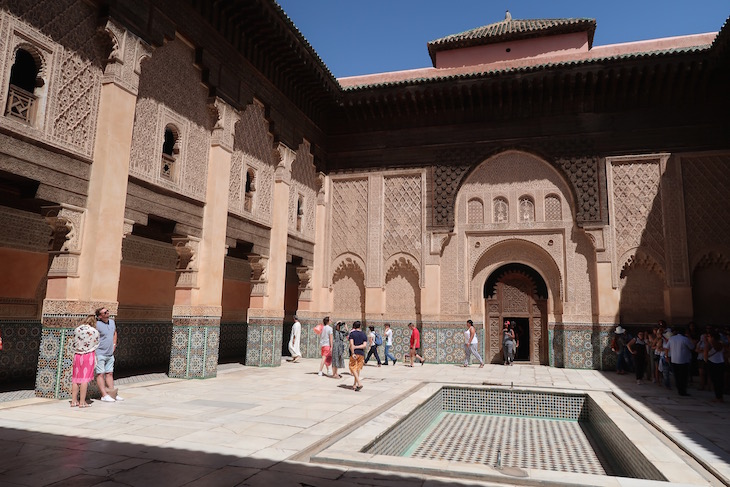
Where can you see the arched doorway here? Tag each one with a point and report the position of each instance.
(517, 293)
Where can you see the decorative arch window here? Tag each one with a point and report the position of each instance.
(501, 210)
(170, 152)
(553, 208)
(475, 211)
(22, 101)
(300, 212)
(249, 189)
(527, 209)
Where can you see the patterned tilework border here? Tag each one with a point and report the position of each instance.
(581, 346)
(264, 342)
(401, 337)
(444, 343)
(55, 359)
(232, 346)
(398, 438)
(621, 453)
(19, 356)
(194, 351)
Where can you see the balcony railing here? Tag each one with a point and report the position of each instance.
(20, 104)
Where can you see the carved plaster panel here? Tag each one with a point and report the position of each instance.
(304, 185)
(127, 52)
(349, 217)
(67, 232)
(63, 37)
(170, 95)
(151, 254)
(403, 215)
(253, 150)
(223, 119)
(180, 311)
(236, 269)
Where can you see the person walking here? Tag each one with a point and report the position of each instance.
(618, 345)
(339, 343)
(294, 340)
(471, 343)
(715, 362)
(358, 342)
(680, 349)
(325, 344)
(373, 339)
(85, 342)
(388, 345)
(415, 344)
(104, 369)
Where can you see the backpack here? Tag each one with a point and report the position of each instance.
(378, 340)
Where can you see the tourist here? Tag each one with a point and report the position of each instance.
(637, 348)
(294, 340)
(679, 347)
(508, 343)
(618, 345)
(664, 364)
(358, 342)
(715, 361)
(373, 339)
(702, 343)
(325, 344)
(339, 342)
(105, 356)
(85, 342)
(415, 344)
(471, 343)
(388, 345)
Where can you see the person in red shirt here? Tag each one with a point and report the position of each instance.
(415, 344)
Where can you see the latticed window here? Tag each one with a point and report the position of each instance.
(527, 209)
(501, 211)
(170, 151)
(250, 189)
(22, 102)
(553, 209)
(475, 211)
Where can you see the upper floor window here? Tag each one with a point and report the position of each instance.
(250, 189)
(170, 151)
(501, 210)
(527, 209)
(553, 208)
(22, 101)
(300, 212)
(475, 211)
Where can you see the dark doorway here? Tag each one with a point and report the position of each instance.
(522, 333)
(291, 301)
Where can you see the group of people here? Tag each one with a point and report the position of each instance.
(680, 352)
(335, 342)
(94, 343)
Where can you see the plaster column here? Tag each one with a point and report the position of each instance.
(86, 253)
(196, 314)
(266, 314)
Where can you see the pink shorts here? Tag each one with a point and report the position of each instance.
(83, 367)
(327, 354)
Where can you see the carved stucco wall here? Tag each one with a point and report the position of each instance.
(304, 184)
(64, 36)
(706, 180)
(348, 289)
(253, 149)
(349, 217)
(512, 176)
(402, 289)
(402, 215)
(170, 93)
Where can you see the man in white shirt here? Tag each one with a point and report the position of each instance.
(294, 340)
(325, 344)
(388, 344)
(680, 349)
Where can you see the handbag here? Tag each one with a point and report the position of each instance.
(318, 329)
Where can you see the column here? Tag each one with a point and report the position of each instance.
(86, 247)
(196, 314)
(268, 280)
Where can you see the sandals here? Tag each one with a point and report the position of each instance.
(85, 405)
(74, 404)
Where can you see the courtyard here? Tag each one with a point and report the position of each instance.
(265, 426)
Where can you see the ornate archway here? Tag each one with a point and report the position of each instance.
(516, 292)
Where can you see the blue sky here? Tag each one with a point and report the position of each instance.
(356, 37)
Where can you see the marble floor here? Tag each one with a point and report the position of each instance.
(260, 426)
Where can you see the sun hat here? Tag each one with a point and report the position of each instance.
(620, 330)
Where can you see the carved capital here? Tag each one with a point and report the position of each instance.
(321, 185)
(187, 262)
(223, 119)
(259, 278)
(127, 52)
(305, 283)
(67, 225)
(438, 241)
(128, 227)
(283, 169)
